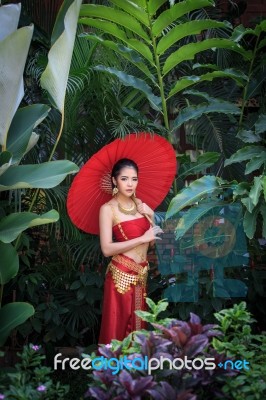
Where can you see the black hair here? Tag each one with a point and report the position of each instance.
(122, 163)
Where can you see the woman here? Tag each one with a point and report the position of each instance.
(129, 221)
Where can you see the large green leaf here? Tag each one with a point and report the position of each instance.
(246, 153)
(188, 28)
(195, 112)
(59, 25)
(15, 223)
(260, 125)
(183, 83)
(9, 263)
(12, 315)
(54, 78)
(20, 132)
(196, 191)
(248, 136)
(241, 188)
(187, 81)
(124, 51)
(130, 80)
(154, 5)
(248, 204)
(250, 222)
(9, 17)
(110, 28)
(46, 175)
(114, 15)
(188, 51)
(261, 27)
(13, 53)
(167, 17)
(192, 216)
(256, 162)
(134, 8)
(256, 190)
(204, 161)
(105, 26)
(143, 49)
(239, 32)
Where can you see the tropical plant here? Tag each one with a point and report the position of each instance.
(49, 273)
(249, 129)
(158, 44)
(30, 379)
(239, 342)
(252, 194)
(17, 138)
(169, 339)
(67, 307)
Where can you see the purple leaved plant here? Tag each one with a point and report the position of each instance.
(177, 339)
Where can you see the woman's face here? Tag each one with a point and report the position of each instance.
(127, 181)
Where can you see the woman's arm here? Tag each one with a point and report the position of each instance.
(109, 248)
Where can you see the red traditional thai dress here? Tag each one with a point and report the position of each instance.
(122, 298)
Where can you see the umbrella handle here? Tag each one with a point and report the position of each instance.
(149, 219)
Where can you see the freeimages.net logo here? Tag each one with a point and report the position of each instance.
(145, 363)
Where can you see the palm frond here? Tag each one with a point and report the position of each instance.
(86, 250)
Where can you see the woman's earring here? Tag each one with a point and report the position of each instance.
(134, 194)
(115, 191)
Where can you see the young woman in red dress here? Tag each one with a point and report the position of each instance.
(126, 229)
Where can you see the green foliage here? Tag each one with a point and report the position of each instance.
(12, 315)
(31, 379)
(136, 83)
(54, 78)
(196, 191)
(190, 218)
(15, 223)
(9, 257)
(243, 139)
(157, 43)
(214, 106)
(235, 322)
(67, 305)
(253, 195)
(13, 49)
(21, 137)
(232, 338)
(203, 161)
(17, 139)
(152, 316)
(45, 175)
(239, 342)
(254, 202)
(247, 153)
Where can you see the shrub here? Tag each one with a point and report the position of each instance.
(170, 339)
(238, 341)
(31, 380)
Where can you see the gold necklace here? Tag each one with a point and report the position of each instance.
(128, 211)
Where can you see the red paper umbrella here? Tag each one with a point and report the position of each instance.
(92, 186)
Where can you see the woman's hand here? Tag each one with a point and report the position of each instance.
(143, 208)
(151, 234)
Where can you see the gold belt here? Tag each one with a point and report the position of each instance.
(122, 279)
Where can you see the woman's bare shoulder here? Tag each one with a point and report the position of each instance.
(107, 206)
